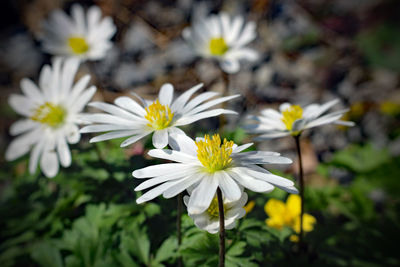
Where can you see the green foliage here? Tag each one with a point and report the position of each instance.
(87, 216)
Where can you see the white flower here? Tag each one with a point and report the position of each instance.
(204, 166)
(162, 116)
(86, 36)
(292, 119)
(223, 38)
(51, 112)
(209, 219)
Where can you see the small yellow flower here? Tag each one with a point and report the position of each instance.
(281, 214)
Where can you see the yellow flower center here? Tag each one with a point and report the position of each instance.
(290, 115)
(213, 209)
(217, 46)
(78, 45)
(49, 114)
(159, 116)
(212, 154)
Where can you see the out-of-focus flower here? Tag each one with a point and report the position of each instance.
(223, 38)
(206, 164)
(52, 113)
(85, 36)
(209, 219)
(161, 117)
(292, 119)
(281, 214)
(390, 108)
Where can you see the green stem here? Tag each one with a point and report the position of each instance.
(302, 187)
(221, 229)
(178, 226)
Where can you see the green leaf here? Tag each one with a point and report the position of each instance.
(167, 249)
(46, 254)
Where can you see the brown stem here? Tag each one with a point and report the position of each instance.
(178, 226)
(221, 229)
(301, 184)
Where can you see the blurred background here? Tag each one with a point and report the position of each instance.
(311, 51)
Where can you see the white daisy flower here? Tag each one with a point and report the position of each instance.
(52, 112)
(292, 119)
(85, 36)
(206, 164)
(209, 219)
(223, 38)
(161, 117)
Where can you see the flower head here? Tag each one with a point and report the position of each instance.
(52, 112)
(223, 38)
(209, 219)
(293, 119)
(161, 116)
(206, 164)
(281, 214)
(85, 36)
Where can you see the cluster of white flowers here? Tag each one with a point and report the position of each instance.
(53, 110)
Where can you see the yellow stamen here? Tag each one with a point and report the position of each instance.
(290, 115)
(78, 45)
(159, 116)
(218, 47)
(49, 114)
(212, 155)
(213, 210)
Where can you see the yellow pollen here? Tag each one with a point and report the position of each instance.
(212, 155)
(159, 116)
(49, 114)
(213, 210)
(218, 47)
(290, 115)
(78, 45)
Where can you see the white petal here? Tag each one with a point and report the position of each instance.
(69, 70)
(83, 99)
(31, 90)
(160, 138)
(73, 135)
(49, 164)
(262, 174)
(105, 128)
(134, 139)
(242, 54)
(182, 143)
(77, 89)
(237, 25)
(44, 81)
(35, 154)
(345, 123)
(259, 157)
(229, 187)
(109, 119)
(241, 148)
(203, 115)
(247, 35)
(270, 135)
(160, 169)
(230, 65)
(131, 105)
(22, 144)
(112, 109)
(63, 152)
(166, 94)
(149, 195)
(181, 186)
(181, 101)
(173, 155)
(21, 104)
(22, 126)
(249, 182)
(113, 135)
(197, 100)
(202, 195)
(210, 104)
(79, 18)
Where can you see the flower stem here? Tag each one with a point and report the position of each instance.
(178, 226)
(301, 184)
(221, 229)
